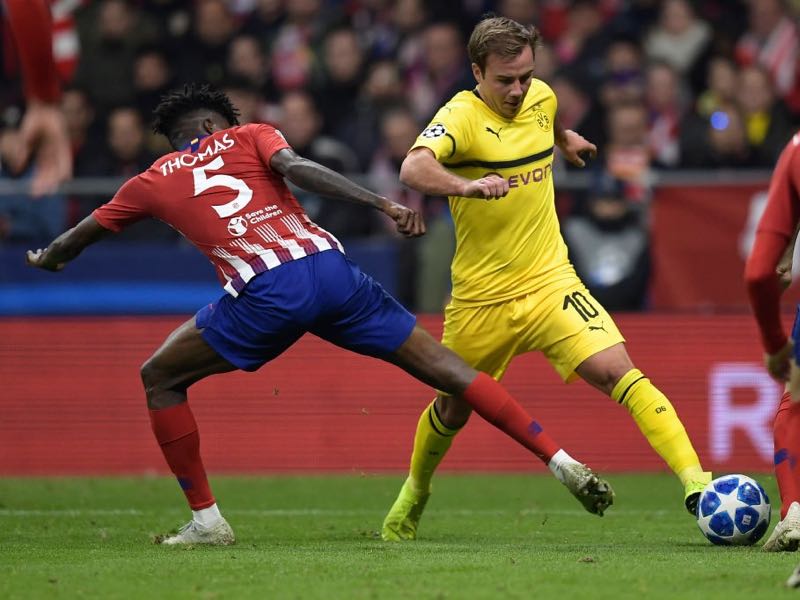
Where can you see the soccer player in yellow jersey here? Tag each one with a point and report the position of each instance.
(490, 150)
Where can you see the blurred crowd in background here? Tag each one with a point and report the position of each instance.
(656, 84)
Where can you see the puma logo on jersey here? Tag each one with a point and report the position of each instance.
(598, 327)
(493, 132)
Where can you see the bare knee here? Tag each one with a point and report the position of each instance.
(157, 385)
(606, 368)
(150, 374)
(607, 380)
(454, 412)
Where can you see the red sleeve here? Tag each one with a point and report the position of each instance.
(126, 207)
(763, 288)
(32, 27)
(268, 141)
(774, 231)
(783, 204)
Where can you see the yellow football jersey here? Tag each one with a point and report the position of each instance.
(508, 247)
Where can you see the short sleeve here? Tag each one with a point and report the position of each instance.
(448, 134)
(268, 141)
(128, 206)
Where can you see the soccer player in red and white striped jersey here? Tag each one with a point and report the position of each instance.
(284, 277)
(767, 273)
(252, 224)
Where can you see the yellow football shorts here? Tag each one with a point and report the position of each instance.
(562, 320)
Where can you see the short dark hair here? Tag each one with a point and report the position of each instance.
(177, 104)
(500, 35)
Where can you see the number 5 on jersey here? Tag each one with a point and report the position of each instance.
(202, 183)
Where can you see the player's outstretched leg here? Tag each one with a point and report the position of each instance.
(182, 360)
(612, 372)
(432, 363)
(593, 493)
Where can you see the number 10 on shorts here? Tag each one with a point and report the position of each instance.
(581, 304)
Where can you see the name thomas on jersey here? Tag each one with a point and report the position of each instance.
(190, 160)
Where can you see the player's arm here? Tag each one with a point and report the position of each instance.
(784, 268)
(771, 249)
(31, 26)
(315, 178)
(67, 246)
(764, 290)
(421, 171)
(43, 128)
(572, 144)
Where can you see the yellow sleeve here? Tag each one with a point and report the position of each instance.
(449, 133)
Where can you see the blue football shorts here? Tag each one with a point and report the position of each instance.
(796, 336)
(324, 294)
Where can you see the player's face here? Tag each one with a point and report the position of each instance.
(505, 81)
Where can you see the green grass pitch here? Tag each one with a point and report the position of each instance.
(483, 536)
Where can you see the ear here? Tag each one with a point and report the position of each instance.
(476, 72)
(209, 126)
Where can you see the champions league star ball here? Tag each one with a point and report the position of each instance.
(733, 510)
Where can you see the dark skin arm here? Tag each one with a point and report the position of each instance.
(315, 178)
(67, 246)
(304, 173)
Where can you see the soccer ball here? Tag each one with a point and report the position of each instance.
(733, 510)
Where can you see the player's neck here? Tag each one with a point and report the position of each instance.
(191, 142)
(477, 91)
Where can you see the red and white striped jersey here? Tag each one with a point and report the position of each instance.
(778, 52)
(221, 194)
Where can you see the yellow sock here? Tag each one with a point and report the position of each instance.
(431, 443)
(656, 418)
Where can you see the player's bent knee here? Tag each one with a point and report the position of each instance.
(453, 373)
(454, 412)
(433, 363)
(149, 374)
(605, 369)
(153, 377)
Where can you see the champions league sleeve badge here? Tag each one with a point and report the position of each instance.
(434, 130)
